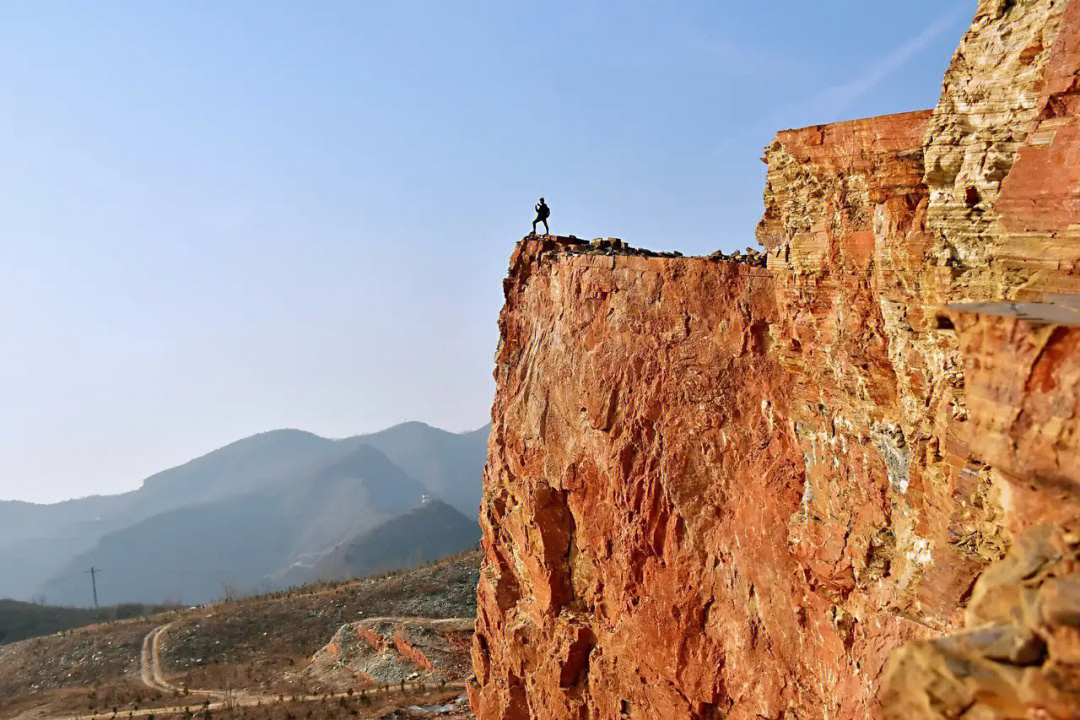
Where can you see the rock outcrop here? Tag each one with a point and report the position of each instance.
(1019, 659)
(716, 489)
(386, 651)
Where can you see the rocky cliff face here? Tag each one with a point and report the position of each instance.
(720, 490)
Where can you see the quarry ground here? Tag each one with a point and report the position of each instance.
(247, 658)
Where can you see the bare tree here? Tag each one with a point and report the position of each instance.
(229, 698)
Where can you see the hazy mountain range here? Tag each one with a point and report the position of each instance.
(272, 510)
(420, 535)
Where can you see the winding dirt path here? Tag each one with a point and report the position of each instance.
(151, 675)
(150, 661)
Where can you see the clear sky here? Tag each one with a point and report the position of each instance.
(219, 218)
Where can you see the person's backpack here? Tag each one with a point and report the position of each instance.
(543, 211)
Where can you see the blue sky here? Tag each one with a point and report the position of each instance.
(222, 218)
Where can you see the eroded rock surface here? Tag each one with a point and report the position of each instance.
(1019, 657)
(386, 651)
(716, 489)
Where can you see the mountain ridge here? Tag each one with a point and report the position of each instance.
(418, 536)
(39, 543)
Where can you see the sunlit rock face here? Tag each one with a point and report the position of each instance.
(716, 489)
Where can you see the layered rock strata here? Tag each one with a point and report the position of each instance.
(722, 490)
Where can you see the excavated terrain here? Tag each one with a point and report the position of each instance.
(266, 646)
(842, 485)
(387, 651)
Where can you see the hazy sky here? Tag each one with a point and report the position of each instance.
(219, 218)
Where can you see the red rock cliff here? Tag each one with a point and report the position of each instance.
(721, 490)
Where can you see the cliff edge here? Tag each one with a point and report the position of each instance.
(842, 485)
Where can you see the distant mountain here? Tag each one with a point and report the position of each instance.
(450, 464)
(253, 514)
(430, 532)
(242, 543)
(38, 541)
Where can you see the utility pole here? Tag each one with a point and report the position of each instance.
(92, 572)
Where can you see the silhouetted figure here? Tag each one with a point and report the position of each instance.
(542, 213)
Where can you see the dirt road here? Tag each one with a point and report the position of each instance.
(150, 661)
(151, 675)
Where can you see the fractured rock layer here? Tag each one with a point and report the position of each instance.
(386, 651)
(1019, 657)
(720, 490)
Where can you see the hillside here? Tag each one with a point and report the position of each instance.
(422, 535)
(20, 620)
(205, 552)
(250, 515)
(262, 646)
(450, 465)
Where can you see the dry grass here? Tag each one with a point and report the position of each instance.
(261, 644)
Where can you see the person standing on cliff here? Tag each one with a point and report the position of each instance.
(542, 213)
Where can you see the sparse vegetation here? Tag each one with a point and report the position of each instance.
(258, 645)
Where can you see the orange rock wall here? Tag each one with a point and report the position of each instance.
(718, 490)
